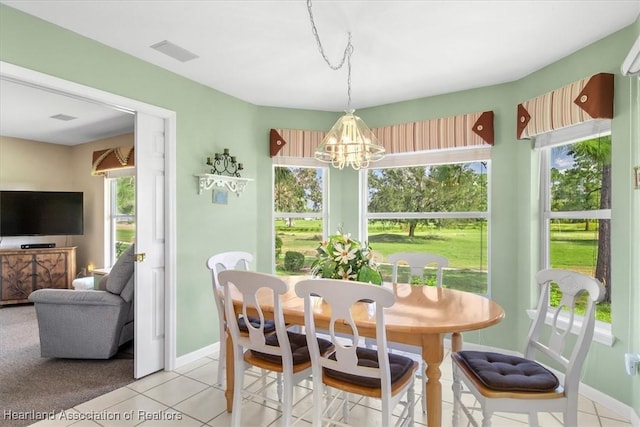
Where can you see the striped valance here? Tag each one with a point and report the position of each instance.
(587, 99)
(112, 159)
(468, 130)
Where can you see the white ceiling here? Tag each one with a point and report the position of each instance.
(25, 112)
(264, 52)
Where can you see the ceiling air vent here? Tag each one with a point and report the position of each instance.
(174, 51)
(63, 117)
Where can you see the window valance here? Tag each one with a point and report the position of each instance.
(112, 159)
(581, 101)
(468, 130)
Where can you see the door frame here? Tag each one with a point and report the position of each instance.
(47, 82)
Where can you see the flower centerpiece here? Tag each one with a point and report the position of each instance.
(342, 257)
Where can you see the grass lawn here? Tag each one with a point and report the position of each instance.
(571, 247)
(125, 232)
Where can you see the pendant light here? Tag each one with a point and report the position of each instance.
(349, 142)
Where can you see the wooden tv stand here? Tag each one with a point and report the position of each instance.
(23, 271)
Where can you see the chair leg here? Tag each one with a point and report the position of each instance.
(423, 369)
(533, 420)
(222, 356)
(457, 392)
(570, 414)
(279, 386)
(386, 411)
(238, 383)
(318, 396)
(345, 408)
(411, 401)
(486, 419)
(287, 399)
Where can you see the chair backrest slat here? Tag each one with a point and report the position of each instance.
(233, 260)
(344, 297)
(417, 262)
(249, 284)
(555, 344)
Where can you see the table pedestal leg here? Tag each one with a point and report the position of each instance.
(432, 354)
(456, 341)
(228, 394)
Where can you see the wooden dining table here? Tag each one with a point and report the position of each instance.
(421, 316)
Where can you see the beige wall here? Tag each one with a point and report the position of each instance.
(33, 165)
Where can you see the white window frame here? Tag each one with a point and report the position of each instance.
(431, 158)
(543, 144)
(298, 162)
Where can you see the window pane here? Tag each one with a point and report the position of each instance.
(442, 188)
(297, 190)
(123, 215)
(462, 241)
(296, 242)
(581, 246)
(581, 175)
(580, 188)
(125, 196)
(125, 234)
(459, 187)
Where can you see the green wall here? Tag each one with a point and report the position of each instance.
(208, 121)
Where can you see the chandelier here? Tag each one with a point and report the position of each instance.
(349, 142)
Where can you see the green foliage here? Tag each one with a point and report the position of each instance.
(297, 190)
(578, 186)
(293, 261)
(278, 247)
(603, 309)
(444, 188)
(126, 195)
(344, 258)
(121, 247)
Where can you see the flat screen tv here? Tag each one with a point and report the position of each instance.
(41, 213)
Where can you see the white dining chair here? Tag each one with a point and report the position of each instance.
(506, 383)
(233, 260)
(417, 262)
(284, 352)
(352, 369)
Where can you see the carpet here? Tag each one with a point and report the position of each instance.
(31, 385)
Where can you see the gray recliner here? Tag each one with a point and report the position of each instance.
(91, 324)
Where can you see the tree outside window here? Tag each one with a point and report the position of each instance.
(299, 217)
(577, 215)
(440, 209)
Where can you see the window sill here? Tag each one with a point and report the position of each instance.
(602, 333)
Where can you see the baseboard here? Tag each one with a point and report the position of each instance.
(587, 391)
(198, 354)
(635, 419)
(605, 400)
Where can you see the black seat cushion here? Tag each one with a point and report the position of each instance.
(269, 325)
(509, 373)
(299, 349)
(398, 365)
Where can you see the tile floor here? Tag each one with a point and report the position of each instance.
(187, 397)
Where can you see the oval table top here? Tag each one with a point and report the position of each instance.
(418, 309)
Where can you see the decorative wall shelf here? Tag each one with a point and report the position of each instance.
(207, 181)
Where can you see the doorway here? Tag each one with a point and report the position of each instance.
(146, 135)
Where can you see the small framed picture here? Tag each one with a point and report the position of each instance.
(220, 197)
(636, 177)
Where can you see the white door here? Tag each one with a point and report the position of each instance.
(150, 239)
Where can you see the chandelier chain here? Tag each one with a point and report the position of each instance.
(346, 56)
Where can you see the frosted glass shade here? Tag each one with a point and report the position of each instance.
(349, 143)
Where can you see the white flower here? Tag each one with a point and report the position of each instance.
(344, 254)
(346, 275)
